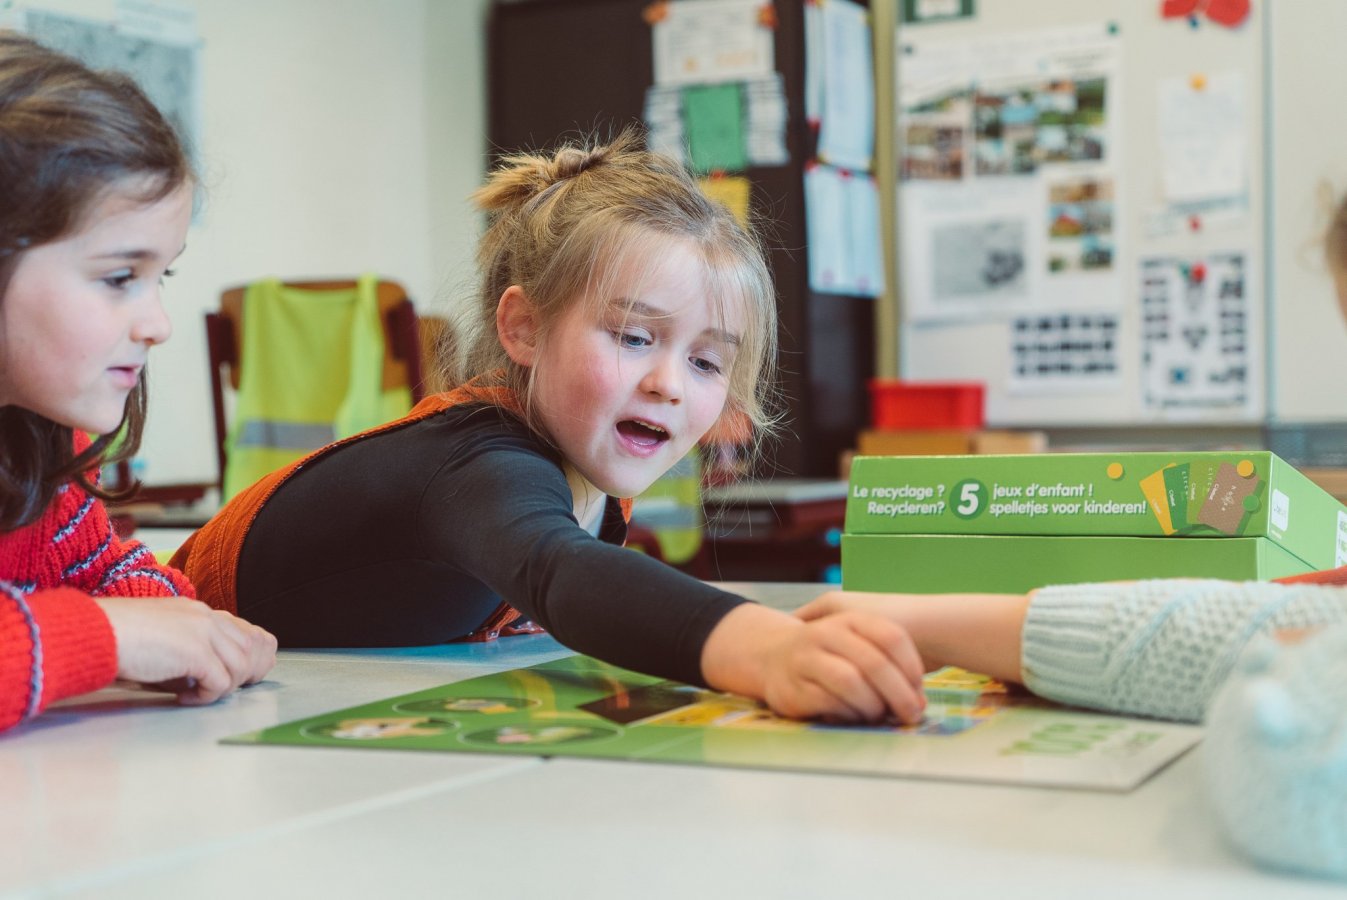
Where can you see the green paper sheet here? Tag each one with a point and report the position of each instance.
(713, 121)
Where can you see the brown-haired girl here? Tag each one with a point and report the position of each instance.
(621, 315)
(95, 198)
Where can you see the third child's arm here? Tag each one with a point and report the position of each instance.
(978, 632)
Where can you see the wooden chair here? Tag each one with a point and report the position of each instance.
(224, 338)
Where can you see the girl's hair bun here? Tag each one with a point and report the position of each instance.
(572, 161)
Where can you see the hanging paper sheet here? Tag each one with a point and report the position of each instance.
(709, 41)
(1198, 354)
(1009, 174)
(840, 83)
(842, 228)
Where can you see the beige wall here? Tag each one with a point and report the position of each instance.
(337, 136)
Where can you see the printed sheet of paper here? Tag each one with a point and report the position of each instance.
(710, 41)
(1009, 164)
(726, 126)
(975, 729)
(732, 191)
(842, 229)
(766, 118)
(1200, 358)
(713, 122)
(1204, 152)
(847, 115)
(664, 122)
(1065, 352)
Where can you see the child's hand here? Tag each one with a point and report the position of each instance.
(185, 647)
(850, 667)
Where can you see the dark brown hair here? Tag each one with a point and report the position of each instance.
(69, 138)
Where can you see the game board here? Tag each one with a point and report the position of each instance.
(974, 730)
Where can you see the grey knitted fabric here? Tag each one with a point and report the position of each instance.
(1275, 755)
(1157, 648)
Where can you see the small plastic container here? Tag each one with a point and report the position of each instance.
(898, 404)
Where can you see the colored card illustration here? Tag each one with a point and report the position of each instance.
(1232, 497)
(1153, 489)
(975, 729)
(1201, 474)
(1176, 493)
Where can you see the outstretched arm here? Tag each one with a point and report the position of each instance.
(1155, 648)
(978, 632)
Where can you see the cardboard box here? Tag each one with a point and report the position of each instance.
(932, 564)
(938, 442)
(917, 442)
(1205, 496)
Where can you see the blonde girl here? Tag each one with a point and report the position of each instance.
(621, 315)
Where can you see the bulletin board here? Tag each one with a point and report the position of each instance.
(1081, 212)
(561, 71)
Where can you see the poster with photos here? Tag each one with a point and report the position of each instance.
(1200, 359)
(1008, 174)
(1064, 351)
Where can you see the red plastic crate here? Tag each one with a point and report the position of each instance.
(898, 404)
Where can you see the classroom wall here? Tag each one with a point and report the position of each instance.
(1308, 342)
(337, 136)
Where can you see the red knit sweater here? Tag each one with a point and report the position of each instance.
(54, 640)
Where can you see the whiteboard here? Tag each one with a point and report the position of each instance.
(1153, 56)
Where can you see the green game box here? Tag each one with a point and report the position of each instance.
(1227, 495)
(924, 524)
(946, 563)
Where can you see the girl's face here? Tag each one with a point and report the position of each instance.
(80, 314)
(625, 384)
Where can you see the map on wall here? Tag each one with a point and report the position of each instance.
(166, 70)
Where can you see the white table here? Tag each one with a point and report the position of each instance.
(122, 794)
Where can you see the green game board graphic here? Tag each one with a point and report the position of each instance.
(975, 729)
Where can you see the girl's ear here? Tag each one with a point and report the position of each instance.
(517, 326)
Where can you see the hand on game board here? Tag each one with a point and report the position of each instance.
(185, 647)
(849, 667)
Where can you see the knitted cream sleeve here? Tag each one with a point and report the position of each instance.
(1157, 648)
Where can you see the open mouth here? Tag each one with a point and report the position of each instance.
(125, 376)
(642, 434)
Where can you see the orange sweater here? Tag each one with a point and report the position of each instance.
(210, 557)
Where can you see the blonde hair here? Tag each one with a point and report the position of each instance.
(561, 227)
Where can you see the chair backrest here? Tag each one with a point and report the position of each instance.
(671, 512)
(402, 359)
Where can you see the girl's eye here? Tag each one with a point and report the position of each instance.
(629, 339)
(168, 273)
(119, 280)
(710, 367)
